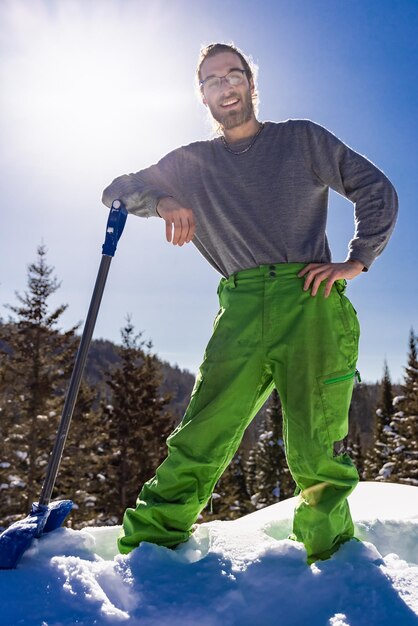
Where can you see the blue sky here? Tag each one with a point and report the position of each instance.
(94, 89)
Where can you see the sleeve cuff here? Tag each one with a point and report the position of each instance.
(364, 256)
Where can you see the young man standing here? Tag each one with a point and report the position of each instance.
(254, 202)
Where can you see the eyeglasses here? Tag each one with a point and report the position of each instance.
(233, 78)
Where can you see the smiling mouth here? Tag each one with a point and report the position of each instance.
(229, 103)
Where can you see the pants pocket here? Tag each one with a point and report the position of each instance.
(348, 312)
(336, 390)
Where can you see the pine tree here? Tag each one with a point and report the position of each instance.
(35, 365)
(250, 471)
(80, 477)
(230, 498)
(410, 386)
(385, 433)
(273, 479)
(404, 461)
(137, 424)
(355, 451)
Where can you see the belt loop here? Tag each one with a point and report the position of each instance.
(232, 281)
(229, 283)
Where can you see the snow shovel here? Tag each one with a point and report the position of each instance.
(46, 516)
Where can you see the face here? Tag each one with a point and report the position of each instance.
(231, 106)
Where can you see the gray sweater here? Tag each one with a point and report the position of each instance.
(267, 205)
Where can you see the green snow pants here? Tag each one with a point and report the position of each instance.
(268, 332)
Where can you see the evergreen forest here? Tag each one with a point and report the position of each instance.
(129, 401)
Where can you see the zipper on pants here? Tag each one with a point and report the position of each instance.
(338, 379)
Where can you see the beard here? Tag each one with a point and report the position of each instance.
(232, 119)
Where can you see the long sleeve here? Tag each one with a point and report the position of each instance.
(140, 192)
(269, 204)
(358, 179)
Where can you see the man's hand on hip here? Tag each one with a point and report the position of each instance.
(316, 273)
(180, 224)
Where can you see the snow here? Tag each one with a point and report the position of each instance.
(16, 481)
(237, 573)
(21, 455)
(386, 470)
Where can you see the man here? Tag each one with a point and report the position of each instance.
(254, 202)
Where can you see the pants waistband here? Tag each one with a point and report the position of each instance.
(263, 272)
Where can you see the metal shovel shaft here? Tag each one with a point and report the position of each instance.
(115, 225)
(75, 381)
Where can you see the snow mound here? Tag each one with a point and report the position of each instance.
(237, 573)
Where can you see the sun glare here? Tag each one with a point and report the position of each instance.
(76, 78)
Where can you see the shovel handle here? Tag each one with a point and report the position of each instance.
(114, 228)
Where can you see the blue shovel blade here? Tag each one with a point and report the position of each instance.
(58, 511)
(16, 539)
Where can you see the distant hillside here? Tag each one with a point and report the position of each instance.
(176, 382)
